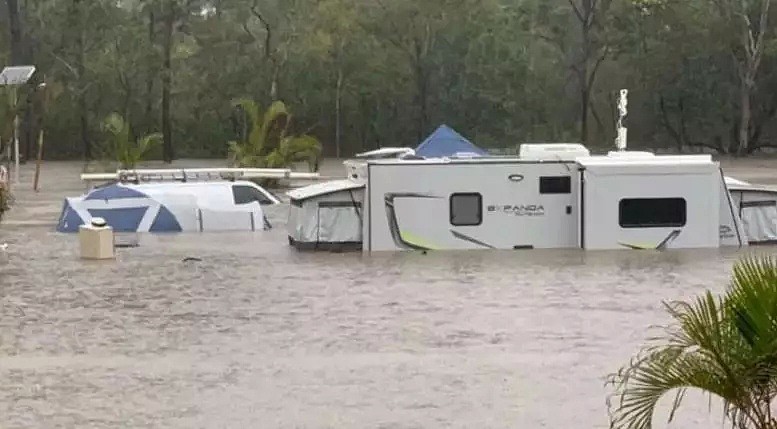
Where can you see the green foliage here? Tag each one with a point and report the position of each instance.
(725, 346)
(5, 201)
(127, 152)
(265, 142)
(8, 110)
(386, 73)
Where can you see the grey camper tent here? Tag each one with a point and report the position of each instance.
(326, 216)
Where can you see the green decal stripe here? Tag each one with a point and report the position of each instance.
(416, 240)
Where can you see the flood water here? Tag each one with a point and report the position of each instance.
(257, 335)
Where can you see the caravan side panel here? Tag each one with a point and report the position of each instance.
(471, 205)
(621, 208)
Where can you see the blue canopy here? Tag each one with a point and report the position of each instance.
(446, 142)
(114, 192)
(123, 208)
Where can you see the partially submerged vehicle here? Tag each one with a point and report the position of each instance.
(161, 202)
(169, 207)
(551, 196)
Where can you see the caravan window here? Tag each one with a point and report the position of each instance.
(248, 194)
(466, 209)
(652, 212)
(556, 185)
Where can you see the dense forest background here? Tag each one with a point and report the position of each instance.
(360, 74)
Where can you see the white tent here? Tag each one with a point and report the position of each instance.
(326, 215)
(757, 208)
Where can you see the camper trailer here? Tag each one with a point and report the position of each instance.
(552, 197)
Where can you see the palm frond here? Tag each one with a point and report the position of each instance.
(148, 142)
(250, 109)
(301, 148)
(254, 141)
(274, 126)
(268, 144)
(697, 354)
(126, 152)
(752, 301)
(725, 346)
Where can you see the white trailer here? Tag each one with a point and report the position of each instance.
(548, 199)
(467, 204)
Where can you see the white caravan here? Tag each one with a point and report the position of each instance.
(554, 196)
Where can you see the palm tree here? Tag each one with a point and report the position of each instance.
(265, 141)
(724, 346)
(128, 153)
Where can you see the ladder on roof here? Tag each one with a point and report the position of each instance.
(197, 174)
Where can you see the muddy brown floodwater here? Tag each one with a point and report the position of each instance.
(257, 335)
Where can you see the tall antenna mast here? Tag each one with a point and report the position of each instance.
(620, 140)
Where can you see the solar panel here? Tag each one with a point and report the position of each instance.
(16, 75)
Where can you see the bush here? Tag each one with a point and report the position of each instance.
(5, 201)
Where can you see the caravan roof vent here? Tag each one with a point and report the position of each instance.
(553, 151)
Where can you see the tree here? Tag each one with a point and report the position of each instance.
(265, 141)
(747, 23)
(724, 346)
(16, 29)
(592, 51)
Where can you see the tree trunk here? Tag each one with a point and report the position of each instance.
(76, 23)
(338, 95)
(150, 76)
(584, 17)
(83, 113)
(744, 119)
(16, 30)
(584, 103)
(169, 22)
(421, 98)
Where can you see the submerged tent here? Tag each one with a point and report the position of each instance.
(757, 209)
(326, 215)
(123, 208)
(446, 142)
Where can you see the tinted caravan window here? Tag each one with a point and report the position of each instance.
(466, 209)
(652, 212)
(556, 185)
(248, 194)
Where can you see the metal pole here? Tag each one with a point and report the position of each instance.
(41, 87)
(16, 135)
(38, 162)
(620, 140)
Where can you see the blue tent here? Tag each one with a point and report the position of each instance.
(446, 142)
(123, 208)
